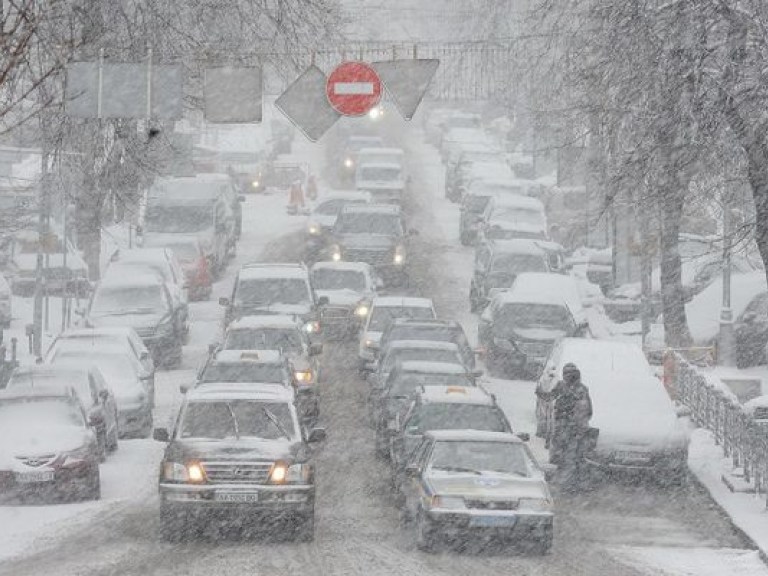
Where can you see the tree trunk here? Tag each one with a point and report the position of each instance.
(757, 171)
(89, 205)
(676, 330)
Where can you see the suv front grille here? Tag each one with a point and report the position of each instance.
(492, 504)
(237, 472)
(372, 257)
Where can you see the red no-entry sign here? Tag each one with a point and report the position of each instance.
(353, 88)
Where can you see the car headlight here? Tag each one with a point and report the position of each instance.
(447, 502)
(284, 473)
(312, 327)
(348, 162)
(399, 255)
(535, 504)
(313, 229)
(178, 472)
(255, 184)
(336, 254)
(304, 376)
(362, 310)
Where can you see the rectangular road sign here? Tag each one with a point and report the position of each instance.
(233, 94)
(348, 88)
(305, 104)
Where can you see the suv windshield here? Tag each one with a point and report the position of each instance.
(383, 315)
(500, 457)
(266, 291)
(285, 339)
(178, 218)
(61, 379)
(517, 263)
(387, 174)
(237, 418)
(383, 224)
(329, 279)
(119, 300)
(456, 417)
(528, 316)
(251, 372)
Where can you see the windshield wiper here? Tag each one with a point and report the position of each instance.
(131, 311)
(272, 418)
(457, 469)
(234, 421)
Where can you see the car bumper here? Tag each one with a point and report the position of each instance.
(652, 465)
(295, 499)
(66, 483)
(499, 523)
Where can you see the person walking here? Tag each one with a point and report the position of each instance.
(295, 197)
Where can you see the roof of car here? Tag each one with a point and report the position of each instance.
(422, 367)
(423, 345)
(350, 266)
(471, 436)
(455, 395)
(382, 150)
(519, 246)
(248, 356)
(371, 209)
(264, 321)
(426, 323)
(402, 302)
(240, 391)
(518, 201)
(270, 270)
(543, 288)
(138, 279)
(29, 392)
(389, 165)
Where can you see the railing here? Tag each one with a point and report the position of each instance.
(743, 438)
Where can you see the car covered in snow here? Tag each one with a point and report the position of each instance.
(384, 181)
(458, 175)
(512, 216)
(50, 452)
(640, 431)
(461, 483)
(323, 217)
(399, 351)
(239, 452)
(431, 330)
(191, 257)
(349, 287)
(385, 309)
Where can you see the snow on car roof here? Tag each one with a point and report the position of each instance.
(387, 165)
(264, 321)
(257, 271)
(423, 345)
(544, 288)
(370, 209)
(600, 356)
(402, 302)
(398, 151)
(455, 395)
(248, 356)
(350, 266)
(422, 367)
(471, 436)
(211, 391)
(426, 322)
(68, 367)
(519, 246)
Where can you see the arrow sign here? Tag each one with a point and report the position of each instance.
(406, 81)
(353, 88)
(305, 104)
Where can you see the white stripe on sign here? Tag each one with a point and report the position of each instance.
(353, 88)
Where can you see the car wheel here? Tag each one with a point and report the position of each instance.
(425, 536)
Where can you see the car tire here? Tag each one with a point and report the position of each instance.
(425, 536)
(305, 528)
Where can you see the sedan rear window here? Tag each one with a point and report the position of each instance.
(383, 315)
(229, 373)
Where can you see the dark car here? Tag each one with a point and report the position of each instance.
(498, 263)
(373, 234)
(323, 217)
(237, 452)
(52, 451)
(751, 330)
(434, 330)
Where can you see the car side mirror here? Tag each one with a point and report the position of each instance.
(223, 301)
(323, 301)
(412, 470)
(316, 435)
(161, 434)
(315, 349)
(524, 436)
(184, 388)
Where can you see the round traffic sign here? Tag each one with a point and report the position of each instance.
(353, 88)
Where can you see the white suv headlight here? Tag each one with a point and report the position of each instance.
(535, 504)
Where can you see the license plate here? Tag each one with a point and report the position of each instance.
(633, 456)
(492, 521)
(237, 497)
(34, 477)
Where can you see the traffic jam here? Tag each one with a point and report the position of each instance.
(407, 343)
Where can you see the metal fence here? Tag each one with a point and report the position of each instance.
(743, 439)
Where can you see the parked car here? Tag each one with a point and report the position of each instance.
(134, 395)
(93, 391)
(457, 176)
(6, 308)
(191, 257)
(373, 234)
(274, 288)
(640, 432)
(467, 482)
(433, 330)
(144, 303)
(353, 145)
(50, 450)
(323, 217)
(384, 181)
(241, 452)
(349, 287)
(385, 309)
(513, 216)
(399, 351)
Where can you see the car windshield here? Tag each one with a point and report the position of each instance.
(456, 416)
(20, 415)
(377, 173)
(405, 384)
(518, 216)
(330, 279)
(178, 218)
(220, 420)
(378, 223)
(264, 292)
(60, 379)
(245, 372)
(286, 339)
(527, 316)
(419, 354)
(116, 367)
(383, 315)
(115, 300)
(482, 457)
(517, 263)
(332, 207)
(434, 333)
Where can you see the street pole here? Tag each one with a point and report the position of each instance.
(726, 355)
(42, 237)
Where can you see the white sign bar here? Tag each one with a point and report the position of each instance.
(353, 88)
